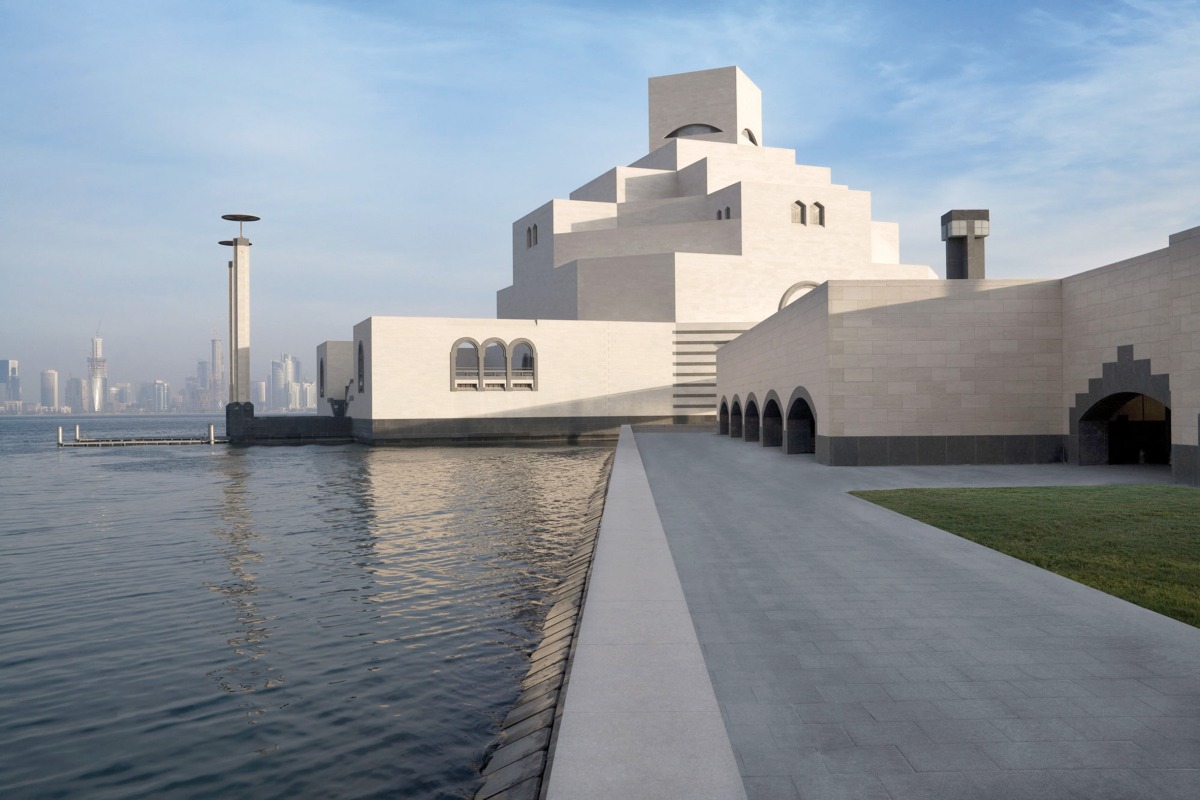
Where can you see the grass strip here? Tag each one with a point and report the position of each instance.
(1140, 543)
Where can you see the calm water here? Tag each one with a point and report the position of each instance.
(268, 622)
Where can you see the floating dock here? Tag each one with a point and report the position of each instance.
(84, 441)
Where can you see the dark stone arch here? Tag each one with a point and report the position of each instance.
(750, 423)
(723, 418)
(801, 423)
(735, 419)
(772, 421)
(1120, 381)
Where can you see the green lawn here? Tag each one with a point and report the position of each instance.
(1140, 543)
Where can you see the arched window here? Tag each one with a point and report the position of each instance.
(362, 370)
(749, 134)
(819, 214)
(535, 235)
(719, 214)
(799, 213)
(465, 360)
(523, 366)
(695, 129)
(726, 212)
(495, 365)
(321, 378)
(528, 238)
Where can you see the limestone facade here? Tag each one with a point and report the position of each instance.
(982, 371)
(629, 286)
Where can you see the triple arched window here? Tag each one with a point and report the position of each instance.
(493, 366)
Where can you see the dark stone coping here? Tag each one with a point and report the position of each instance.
(881, 451)
(517, 768)
(507, 430)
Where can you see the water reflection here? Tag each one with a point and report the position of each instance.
(238, 543)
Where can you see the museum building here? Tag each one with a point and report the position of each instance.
(715, 280)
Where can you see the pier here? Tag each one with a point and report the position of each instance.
(83, 441)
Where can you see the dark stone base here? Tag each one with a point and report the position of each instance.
(242, 427)
(1185, 464)
(880, 451)
(509, 430)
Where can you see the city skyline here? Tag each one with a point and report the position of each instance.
(203, 389)
(363, 134)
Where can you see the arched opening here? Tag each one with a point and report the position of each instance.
(801, 428)
(362, 370)
(723, 419)
(535, 235)
(751, 422)
(1125, 428)
(528, 238)
(523, 366)
(735, 421)
(719, 214)
(749, 134)
(726, 212)
(495, 365)
(465, 371)
(799, 213)
(795, 292)
(321, 378)
(772, 425)
(819, 214)
(695, 129)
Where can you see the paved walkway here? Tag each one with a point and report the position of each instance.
(858, 653)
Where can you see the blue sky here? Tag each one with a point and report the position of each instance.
(389, 145)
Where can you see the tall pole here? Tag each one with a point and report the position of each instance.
(239, 311)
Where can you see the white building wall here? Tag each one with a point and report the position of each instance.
(583, 369)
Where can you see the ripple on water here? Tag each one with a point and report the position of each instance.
(272, 622)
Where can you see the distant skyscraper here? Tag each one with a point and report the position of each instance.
(10, 375)
(98, 376)
(50, 388)
(258, 394)
(278, 387)
(162, 396)
(77, 395)
(217, 382)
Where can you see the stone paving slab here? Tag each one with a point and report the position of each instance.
(639, 719)
(857, 653)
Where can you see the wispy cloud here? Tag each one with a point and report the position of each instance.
(388, 146)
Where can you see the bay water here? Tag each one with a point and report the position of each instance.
(268, 622)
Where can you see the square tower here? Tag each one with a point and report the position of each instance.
(713, 105)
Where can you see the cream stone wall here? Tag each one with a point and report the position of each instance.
(945, 358)
(1151, 302)
(583, 369)
(912, 358)
(724, 98)
(786, 351)
(1185, 329)
(1125, 303)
